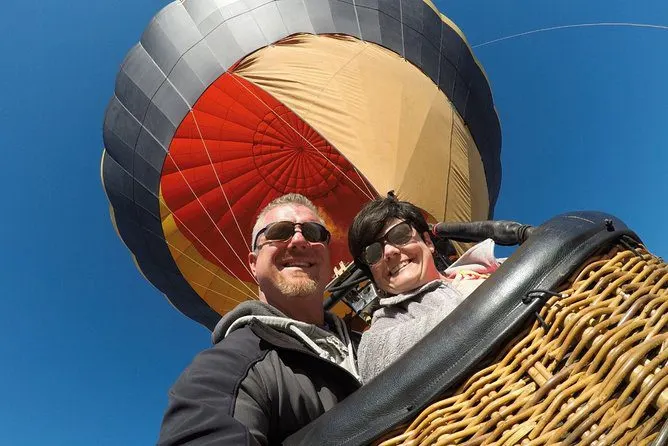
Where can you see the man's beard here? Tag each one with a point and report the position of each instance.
(297, 287)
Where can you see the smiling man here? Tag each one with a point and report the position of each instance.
(390, 240)
(279, 363)
(292, 273)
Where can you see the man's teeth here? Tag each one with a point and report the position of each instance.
(399, 266)
(298, 264)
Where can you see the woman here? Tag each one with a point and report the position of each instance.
(390, 240)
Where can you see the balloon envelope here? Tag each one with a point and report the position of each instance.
(224, 106)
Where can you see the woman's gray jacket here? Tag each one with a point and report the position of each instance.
(401, 321)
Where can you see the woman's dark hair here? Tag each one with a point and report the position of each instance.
(371, 220)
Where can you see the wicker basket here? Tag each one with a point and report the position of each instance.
(590, 370)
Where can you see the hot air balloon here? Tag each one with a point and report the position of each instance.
(225, 105)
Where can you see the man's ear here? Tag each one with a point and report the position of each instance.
(427, 241)
(252, 259)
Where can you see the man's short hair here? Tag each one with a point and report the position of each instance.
(371, 220)
(289, 200)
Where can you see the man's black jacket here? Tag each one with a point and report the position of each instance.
(256, 386)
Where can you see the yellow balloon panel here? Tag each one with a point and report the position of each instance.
(381, 112)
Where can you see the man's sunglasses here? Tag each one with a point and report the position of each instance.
(398, 235)
(281, 231)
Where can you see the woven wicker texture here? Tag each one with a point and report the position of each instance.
(594, 373)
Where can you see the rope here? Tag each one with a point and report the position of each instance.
(577, 25)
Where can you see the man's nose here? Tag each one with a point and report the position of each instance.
(297, 238)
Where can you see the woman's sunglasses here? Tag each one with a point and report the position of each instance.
(398, 235)
(281, 231)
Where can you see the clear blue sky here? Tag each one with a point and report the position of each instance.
(90, 348)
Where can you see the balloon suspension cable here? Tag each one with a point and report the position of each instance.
(204, 267)
(371, 195)
(202, 205)
(220, 261)
(191, 111)
(359, 175)
(223, 265)
(215, 172)
(242, 262)
(577, 25)
(212, 221)
(252, 295)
